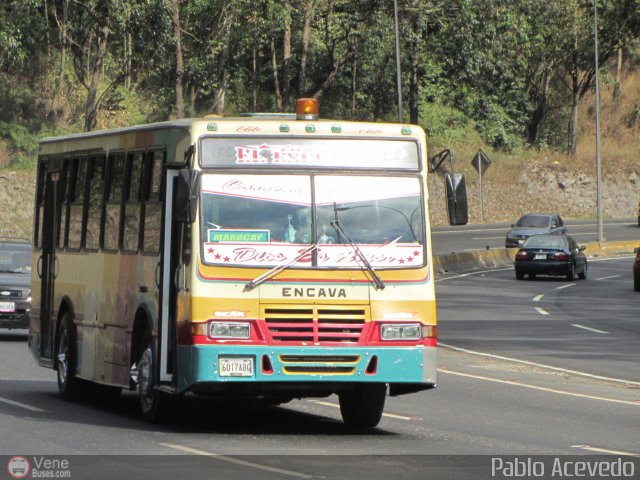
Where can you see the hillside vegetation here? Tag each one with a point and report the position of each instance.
(514, 79)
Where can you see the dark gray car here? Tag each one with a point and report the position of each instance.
(534, 224)
(15, 283)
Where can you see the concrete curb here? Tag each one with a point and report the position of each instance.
(503, 257)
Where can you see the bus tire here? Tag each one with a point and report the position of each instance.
(155, 405)
(69, 386)
(363, 406)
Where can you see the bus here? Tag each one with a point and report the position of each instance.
(261, 258)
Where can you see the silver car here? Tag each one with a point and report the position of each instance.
(534, 224)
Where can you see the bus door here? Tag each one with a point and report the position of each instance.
(171, 248)
(47, 262)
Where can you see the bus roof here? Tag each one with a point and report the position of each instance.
(187, 123)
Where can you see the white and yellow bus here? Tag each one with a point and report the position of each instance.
(264, 257)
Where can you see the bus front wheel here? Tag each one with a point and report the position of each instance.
(154, 404)
(363, 406)
(69, 386)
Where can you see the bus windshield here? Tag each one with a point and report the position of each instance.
(264, 220)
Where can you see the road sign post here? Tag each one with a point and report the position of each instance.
(481, 163)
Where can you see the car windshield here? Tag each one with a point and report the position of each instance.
(266, 220)
(546, 241)
(15, 258)
(534, 221)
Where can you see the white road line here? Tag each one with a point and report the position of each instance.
(537, 298)
(21, 405)
(595, 330)
(470, 274)
(541, 311)
(606, 450)
(535, 364)
(389, 415)
(237, 461)
(565, 286)
(607, 278)
(542, 389)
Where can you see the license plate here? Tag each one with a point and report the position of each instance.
(541, 256)
(7, 307)
(236, 367)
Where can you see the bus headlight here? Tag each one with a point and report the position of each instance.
(240, 330)
(400, 331)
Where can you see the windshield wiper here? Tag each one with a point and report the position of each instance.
(377, 281)
(277, 269)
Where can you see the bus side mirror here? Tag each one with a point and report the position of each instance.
(457, 206)
(187, 193)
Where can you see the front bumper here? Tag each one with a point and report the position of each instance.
(19, 318)
(297, 367)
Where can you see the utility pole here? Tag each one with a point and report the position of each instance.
(597, 100)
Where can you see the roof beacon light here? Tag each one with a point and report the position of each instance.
(307, 109)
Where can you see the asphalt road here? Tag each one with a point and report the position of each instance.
(478, 237)
(488, 403)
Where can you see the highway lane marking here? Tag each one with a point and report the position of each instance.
(389, 415)
(606, 450)
(537, 298)
(469, 274)
(595, 330)
(565, 286)
(237, 461)
(607, 278)
(540, 365)
(542, 389)
(541, 311)
(21, 405)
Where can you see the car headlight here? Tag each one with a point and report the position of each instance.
(400, 331)
(240, 330)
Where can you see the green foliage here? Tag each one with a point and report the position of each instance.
(22, 145)
(446, 125)
(495, 72)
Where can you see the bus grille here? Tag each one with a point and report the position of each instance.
(315, 324)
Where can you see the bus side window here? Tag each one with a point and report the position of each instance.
(94, 213)
(40, 190)
(63, 204)
(113, 202)
(153, 202)
(76, 201)
(132, 206)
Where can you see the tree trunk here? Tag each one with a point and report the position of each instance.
(286, 57)
(276, 81)
(414, 78)
(254, 80)
(306, 29)
(618, 76)
(54, 106)
(540, 111)
(573, 121)
(354, 70)
(175, 5)
(91, 105)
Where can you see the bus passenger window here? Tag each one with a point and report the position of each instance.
(96, 187)
(77, 204)
(152, 223)
(63, 206)
(112, 211)
(132, 206)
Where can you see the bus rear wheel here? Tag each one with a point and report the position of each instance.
(154, 404)
(363, 406)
